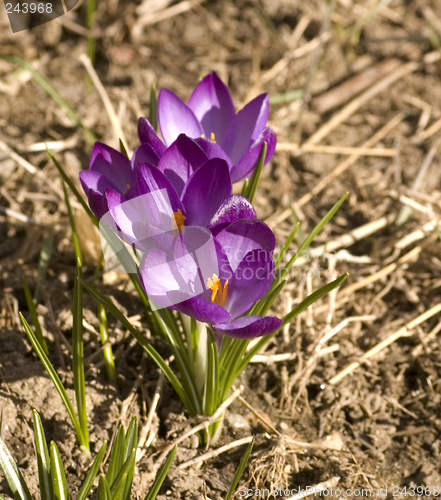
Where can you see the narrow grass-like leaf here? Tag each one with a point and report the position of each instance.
(116, 456)
(72, 187)
(43, 263)
(59, 481)
(43, 460)
(312, 235)
(53, 93)
(109, 361)
(239, 471)
(318, 294)
(262, 306)
(118, 488)
(75, 238)
(153, 107)
(103, 489)
(286, 245)
(13, 476)
(251, 186)
(212, 379)
(54, 377)
(90, 23)
(91, 475)
(78, 356)
(34, 315)
(123, 149)
(151, 351)
(161, 475)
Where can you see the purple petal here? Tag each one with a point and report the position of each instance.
(144, 154)
(249, 327)
(246, 127)
(95, 181)
(113, 165)
(150, 179)
(148, 135)
(234, 208)
(212, 104)
(203, 310)
(205, 191)
(241, 237)
(244, 167)
(213, 150)
(250, 281)
(181, 160)
(175, 118)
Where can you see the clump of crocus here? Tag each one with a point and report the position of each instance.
(211, 120)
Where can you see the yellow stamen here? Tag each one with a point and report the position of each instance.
(218, 294)
(179, 219)
(128, 186)
(202, 136)
(212, 137)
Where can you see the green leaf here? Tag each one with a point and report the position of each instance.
(52, 92)
(212, 378)
(43, 263)
(13, 476)
(239, 471)
(54, 377)
(43, 461)
(161, 475)
(75, 238)
(312, 235)
(78, 357)
(109, 360)
(250, 187)
(59, 481)
(151, 351)
(131, 441)
(72, 187)
(123, 149)
(153, 107)
(116, 456)
(286, 245)
(34, 315)
(119, 486)
(103, 489)
(91, 475)
(318, 294)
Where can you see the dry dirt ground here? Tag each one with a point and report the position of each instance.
(352, 390)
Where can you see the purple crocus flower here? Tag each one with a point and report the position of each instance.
(109, 169)
(210, 119)
(234, 273)
(185, 189)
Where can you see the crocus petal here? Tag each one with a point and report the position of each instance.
(181, 160)
(144, 154)
(249, 327)
(234, 208)
(147, 135)
(205, 191)
(246, 127)
(95, 181)
(97, 203)
(213, 150)
(175, 117)
(203, 310)
(212, 104)
(249, 282)
(113, 165)
(241, 237)
(244, 167)
(150, 179)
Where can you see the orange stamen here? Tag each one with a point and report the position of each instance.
(218, 294)
(179, 219)
(212, 137)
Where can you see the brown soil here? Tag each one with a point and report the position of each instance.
(383, 418)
